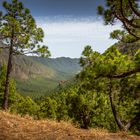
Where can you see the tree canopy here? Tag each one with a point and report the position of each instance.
(18, 30)
(126, 11)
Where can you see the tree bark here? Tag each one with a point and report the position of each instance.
(121, 126)
(119, 76)
(115, 114)
(133, 122)
(8, 75)
(125, 74)
(133, 8)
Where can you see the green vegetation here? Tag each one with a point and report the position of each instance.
(20, 33)
(36, 76)
(108, 74)
(105, 93)
(126, 11)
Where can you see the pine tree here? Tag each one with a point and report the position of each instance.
(18, 30)
(102, 74)
(126, 11)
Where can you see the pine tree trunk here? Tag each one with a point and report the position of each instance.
(133, 122)
(115, 114)
(121, 126)
(8, 75)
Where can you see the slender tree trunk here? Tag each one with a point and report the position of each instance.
(8, 75)
(115, 114)
(133, 122)
(121, 126)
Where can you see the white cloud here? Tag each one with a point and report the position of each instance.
(68, 38)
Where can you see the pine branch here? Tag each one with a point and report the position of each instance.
(134, 9)
(135, 120)
(125, 19)
(123, 75)
(127, 28)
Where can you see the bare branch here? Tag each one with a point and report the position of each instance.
(127, 28)
(130, 32)
(125, 74)
(3, 46)
(125, 19)
(135, 120)
(119, 76)
(134, 9)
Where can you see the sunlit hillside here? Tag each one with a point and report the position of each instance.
(38, 76)
(13, 127)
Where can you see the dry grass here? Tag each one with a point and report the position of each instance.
(14, 127)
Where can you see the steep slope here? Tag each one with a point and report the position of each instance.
(37, 76)
(24, 67)
(14, 127)
(128, 48)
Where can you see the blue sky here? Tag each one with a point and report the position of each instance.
(70, 25)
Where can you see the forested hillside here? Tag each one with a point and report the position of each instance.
(35, 75)
(98, 91)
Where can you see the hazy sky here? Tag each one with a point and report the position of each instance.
(70, 25)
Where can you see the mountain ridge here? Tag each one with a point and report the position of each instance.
(41, 75)
(35, 74)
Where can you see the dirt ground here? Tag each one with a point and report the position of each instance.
(14, 127)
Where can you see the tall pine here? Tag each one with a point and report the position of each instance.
(18, 30)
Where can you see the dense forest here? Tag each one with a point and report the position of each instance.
(104, 94)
